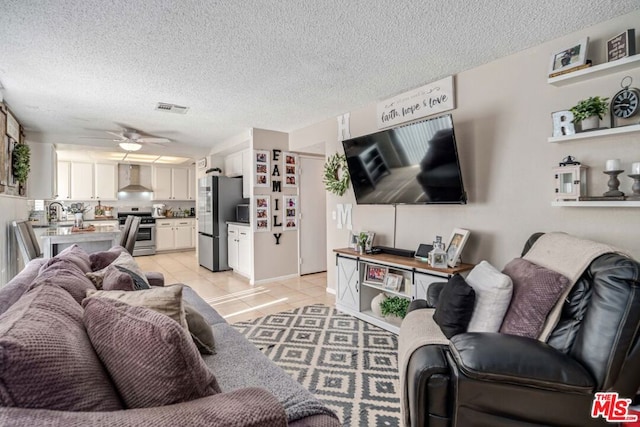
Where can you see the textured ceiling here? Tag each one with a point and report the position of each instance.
(71, 68)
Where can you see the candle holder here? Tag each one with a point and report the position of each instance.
(613, 184)
(635, 187)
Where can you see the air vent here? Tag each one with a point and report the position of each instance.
(171, 108)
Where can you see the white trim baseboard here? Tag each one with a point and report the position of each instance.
(331, 291)
(275, 279)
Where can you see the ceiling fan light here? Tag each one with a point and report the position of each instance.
(130, 146)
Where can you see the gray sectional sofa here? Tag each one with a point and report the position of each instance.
(254, 391)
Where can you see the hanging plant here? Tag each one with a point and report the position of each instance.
(336, 174)
(21, 157)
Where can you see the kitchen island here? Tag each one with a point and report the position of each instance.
(54, 240)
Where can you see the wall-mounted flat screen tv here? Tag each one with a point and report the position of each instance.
(412, 164)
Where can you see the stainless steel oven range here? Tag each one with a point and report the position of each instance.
(146, 239)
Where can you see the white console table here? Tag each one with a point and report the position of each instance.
(354, 294)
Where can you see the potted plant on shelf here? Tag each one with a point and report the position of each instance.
(394, 309)
(362, 241)
(589, 112)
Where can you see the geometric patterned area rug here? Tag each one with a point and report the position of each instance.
(351, 365)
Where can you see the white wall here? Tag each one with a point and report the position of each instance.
(270, 260)
(502, 122)
(11, 209)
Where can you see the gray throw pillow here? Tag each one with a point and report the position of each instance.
(124, 260)
(139, 283)
(200, 330)
(46, 358)
(536, 290)
(116, 280)
(74, 254)
(102, 259)
(166, 300)
(66, 275)
(163, 366)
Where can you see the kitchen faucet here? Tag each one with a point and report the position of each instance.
(53, 213)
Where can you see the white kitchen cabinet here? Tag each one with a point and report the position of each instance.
(106, 181)
(87, 181)
(165, 237)
(192, 183)
(232, 243)
(246, 173)
(82, 181)
(64, 181)
(183, 232)
(244, 251)
(172, 184)
(42, 185)
(175, 233)
(233, 164)
(180, 183)
(161, 181)
(239, 249)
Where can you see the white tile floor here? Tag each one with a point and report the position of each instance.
(231, 294)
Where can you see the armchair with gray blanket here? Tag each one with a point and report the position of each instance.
(497, 379)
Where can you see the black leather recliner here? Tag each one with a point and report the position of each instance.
(494, 380)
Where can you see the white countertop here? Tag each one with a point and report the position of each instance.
(67, 231)
(102, 238)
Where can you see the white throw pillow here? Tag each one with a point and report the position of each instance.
(493, 296)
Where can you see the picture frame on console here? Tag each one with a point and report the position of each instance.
(375, 274)
(393, 281)
(458, 239)
(570, 57)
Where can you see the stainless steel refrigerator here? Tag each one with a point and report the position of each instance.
(218, 197)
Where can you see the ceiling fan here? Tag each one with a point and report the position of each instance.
(132, 140)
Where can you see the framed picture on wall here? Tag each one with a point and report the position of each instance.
(13, 127)
(4, 150)
(290, 169)
(262, 213)
(570, 57)
(261, 168)
(290, 206)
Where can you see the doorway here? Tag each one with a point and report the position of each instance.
(313, 216)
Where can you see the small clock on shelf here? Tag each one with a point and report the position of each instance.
(625, 104)
(570, 180)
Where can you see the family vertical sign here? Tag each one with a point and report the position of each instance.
(427, 100)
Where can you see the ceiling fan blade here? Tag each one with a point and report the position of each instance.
(119, 135)
(95, 137)
(153, 140)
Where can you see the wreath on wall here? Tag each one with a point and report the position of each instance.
(336, 174)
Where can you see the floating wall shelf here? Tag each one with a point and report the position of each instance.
(599, 204)
(596, 133)
(596, 71)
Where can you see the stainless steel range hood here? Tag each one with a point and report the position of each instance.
(130, 177)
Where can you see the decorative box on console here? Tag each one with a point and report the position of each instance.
(570, 182)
